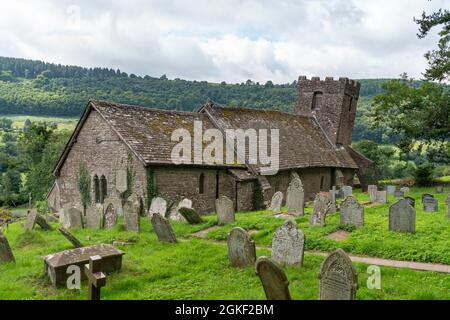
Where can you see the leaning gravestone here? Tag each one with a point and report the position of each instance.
(31, 219)
(241, 248)
(225, 210)
(402, 217)
(73, 218)
(352, 212)
(175, 210)
(447, 202)
(338, 277)
(372, 190)
(288, 244)
(72, 239)
(411, 201)
(430, 204)
(439, 189)
(158, 205)
(110, 217)
(295, 199)
(191, 216)
(131, 215)
(163, 229)
(94, 215)
(381, 197)
(347, 190)
(321, 208)
(6, 254)
(273, 279)
(275, 204)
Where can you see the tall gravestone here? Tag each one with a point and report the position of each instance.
(402, 217)
(338, 277)
(110, 217)
(347, 190)
(447, 202)
(158, 205)
(352, 212)
(116, 202)
(273, 279)
(163, 229)
(241, 248)
(332, 195)
(275, 204)
(94, 216)
(73, 218)
(288, 244)
(430, 204)
(131, 215)
(372, 190)
(6, 254)
(31, 219)
(225, 210)
(321, 207)
(295, 199)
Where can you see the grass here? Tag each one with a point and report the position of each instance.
(199, 269)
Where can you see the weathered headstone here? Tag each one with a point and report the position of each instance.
(273, 279)
(347, 190)
(6, 254)
(288, 244)
(56, 264)
(72, 239)
(241, 248)
(398, 194)
(34, 218)
(430, 204)
(352, 212)
(411, 201)
(447, 202)
(116, 202)
(405, 190)
(175, 210)
(372, 190)
(131, 215)
(338, 277)
(427, 195)
(295, 199)
(163, 229)
(73, 218)
(321, 207)
(402, 217)
(332, 193)
(275, 204)
(96, 277)
(191, 216)
(94, 216)
(225, 210)
(440, 189)
(390, 189)
(110, 217)
(381, 197)
(158, 205)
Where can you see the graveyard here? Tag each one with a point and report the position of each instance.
(196, 265)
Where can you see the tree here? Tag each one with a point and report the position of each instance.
(438, 60)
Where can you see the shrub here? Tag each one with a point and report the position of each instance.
(423, 174)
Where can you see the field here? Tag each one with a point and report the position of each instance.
(63, 123)
(199, 268)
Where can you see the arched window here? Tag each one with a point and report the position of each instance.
(317, 99)
(201, 184)
(103, 188)
(96, 189)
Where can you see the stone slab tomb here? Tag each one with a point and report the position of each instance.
(6, 254)
(273, 279)
(321, 207)
(338, 277)
(288, 244)
(163, 229)
(295, 199)
(275, 204)
(55, 265)
(352, 212)
(402, 217)
(241, 248)
(225, 210)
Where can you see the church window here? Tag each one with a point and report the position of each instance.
(103, 188)
(201, 184)
(96, 189)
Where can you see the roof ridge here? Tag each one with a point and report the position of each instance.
(217, 106)
(144, 108)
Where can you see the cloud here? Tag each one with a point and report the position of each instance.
(222, 40)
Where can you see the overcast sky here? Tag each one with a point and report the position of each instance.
(217, 40)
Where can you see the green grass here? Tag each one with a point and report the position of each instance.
(199, 269)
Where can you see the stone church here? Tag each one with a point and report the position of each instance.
(125, 147)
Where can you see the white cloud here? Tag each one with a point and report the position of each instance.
(219, 40)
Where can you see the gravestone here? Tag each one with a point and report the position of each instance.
(241, 248)
(439, 189)
(191, 216)
(295, 199)
(131, 215)
(381, 197)
(332, 195)
(338, 277)
(288, 244)
(398, 194)
(390, 189)
(372, 190)
(158, 205)
(55, 265)
(225, 210)
(72, 239)
(94, 216)
(110, 217)
(430, 204)
(73, 218)
(96, 277)
(163, 229)
(427, 195)
(347, 190)
(116, 202)
(411, 201)
(34, 218)
(6, 254)
(321, 207)
(447, 202)
(175, 210)
(275, 204)
(402, 217)
(405, 190)
(352, 212)
(273, 279)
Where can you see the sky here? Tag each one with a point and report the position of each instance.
(223, 40)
